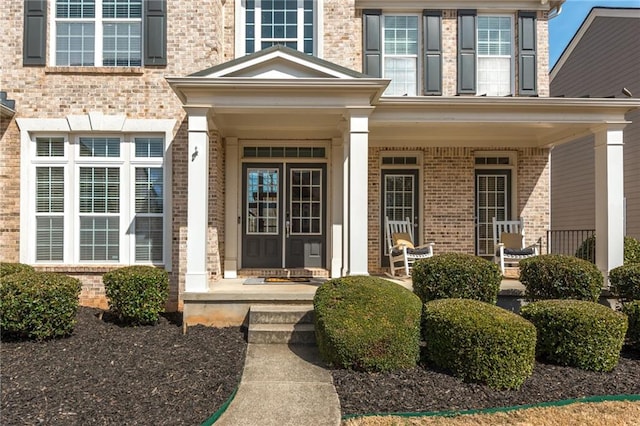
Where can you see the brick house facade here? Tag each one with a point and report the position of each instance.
(230, 113)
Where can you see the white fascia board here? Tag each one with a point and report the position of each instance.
(525, 110)
(595, 13)
(413, 5)
(198, 90)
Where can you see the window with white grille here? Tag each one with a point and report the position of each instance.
(99, 199)
(98, 33)
(495, 51)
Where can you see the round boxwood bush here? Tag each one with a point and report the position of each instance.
(553, 276)
(625, 282)
(137, 294)
(577, 333)
(587, 250)
(479, 342)
(632, 310)
(456, 275)
(38, 305)
(7, 268)
(367, 323)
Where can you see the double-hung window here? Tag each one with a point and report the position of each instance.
(98, 33)
(495, 52)
(49, 198)
(400, 54)
(99, 199)
(279, 22)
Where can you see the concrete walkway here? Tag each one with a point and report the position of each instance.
(283, 385)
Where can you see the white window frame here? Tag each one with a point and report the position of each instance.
(98, 22)
(32, 128)
(511, 55)
(240, 21)
(418, 55)
(47, 161)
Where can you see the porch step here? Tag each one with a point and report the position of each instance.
(281, 324)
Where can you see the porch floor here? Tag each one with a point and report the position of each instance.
(228, 301)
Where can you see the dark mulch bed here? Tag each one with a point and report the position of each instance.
(423, 389)
(107, 374)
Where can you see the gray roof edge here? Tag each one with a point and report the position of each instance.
(284, 49)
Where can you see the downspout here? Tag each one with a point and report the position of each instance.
(555, 10)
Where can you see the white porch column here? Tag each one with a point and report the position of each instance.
(358, 219)
(232, 212)
(197, 276)
(609, 198)
(337, 165)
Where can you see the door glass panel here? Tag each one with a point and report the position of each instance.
(262, 201)
(305, 203)
(399, 197)
(491, 199)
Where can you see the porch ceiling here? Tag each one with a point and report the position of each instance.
(484, 121)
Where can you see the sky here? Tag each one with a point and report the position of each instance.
(563, 27)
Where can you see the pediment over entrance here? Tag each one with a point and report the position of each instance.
(279, 62)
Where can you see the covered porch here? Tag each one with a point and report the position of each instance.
(261, 126)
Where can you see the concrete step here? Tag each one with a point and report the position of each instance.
(282, 333)
(281, 314)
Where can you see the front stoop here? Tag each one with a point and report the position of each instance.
(289, 324)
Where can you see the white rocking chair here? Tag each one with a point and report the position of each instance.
(400, 245)
(508, 242)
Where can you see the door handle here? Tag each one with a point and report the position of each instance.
(287, 228)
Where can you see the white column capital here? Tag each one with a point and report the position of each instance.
(358, 119)
(200, 118)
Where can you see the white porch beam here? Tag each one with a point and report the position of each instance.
(197, 275)
(358, 155)
(609, 197)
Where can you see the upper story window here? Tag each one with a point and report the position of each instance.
(400, 53)
(409, 50)
(291, 23)
(98, 33)
(495, 52)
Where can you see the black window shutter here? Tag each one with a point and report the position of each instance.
(467, 51)
(527, 52)
(35, 33)
(432, 20)
(372, 65)
(155, 32)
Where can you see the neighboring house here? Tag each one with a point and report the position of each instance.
(602, 59)
(250, 137)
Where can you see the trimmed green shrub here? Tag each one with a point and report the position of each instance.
(367, 323)
(587, 250)
(632, 310)
(577, 333)
(38, 305)
(553, 276)
(137, 294)
(12, 268)
(479, 342)
(456, 275)
(625, 282)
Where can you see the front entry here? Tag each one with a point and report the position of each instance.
(493, 189)
(399, 201)
(284, 215)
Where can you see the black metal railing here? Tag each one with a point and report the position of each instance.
(568, 242)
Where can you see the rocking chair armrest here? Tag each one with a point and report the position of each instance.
(425, 245)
